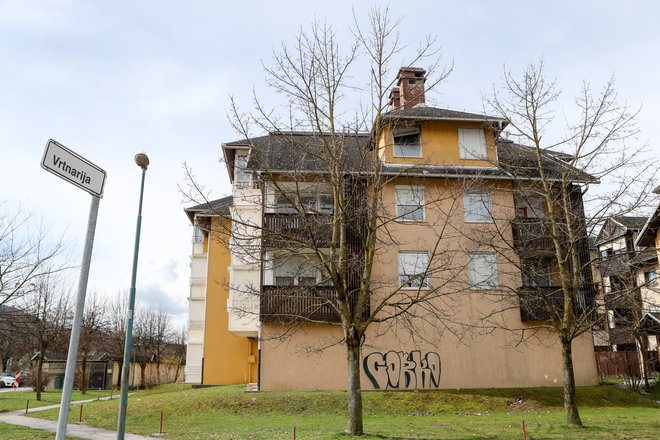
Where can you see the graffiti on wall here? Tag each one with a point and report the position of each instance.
(401, 370)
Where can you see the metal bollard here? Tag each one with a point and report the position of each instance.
(160, 429)
(27, 406)
(294, 432)
(523, 430)
(81, 410)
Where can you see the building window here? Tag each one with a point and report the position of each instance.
(651, 277)
(410, 203)
(242, 177)
(472, 144)
(407, 142)
(530, 206)
(476, 205)
(412, 270)
(198, 234)
(482, 271)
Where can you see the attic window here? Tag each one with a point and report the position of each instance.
(472, 144)
(407, 142)
(412, 81)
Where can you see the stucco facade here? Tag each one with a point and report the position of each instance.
(471, 333)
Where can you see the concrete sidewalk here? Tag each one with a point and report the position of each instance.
(81, 431)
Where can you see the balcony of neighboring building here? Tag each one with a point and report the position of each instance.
(243, 311)
(615, 263)
(542, 303)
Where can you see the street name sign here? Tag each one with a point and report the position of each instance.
(73, 168)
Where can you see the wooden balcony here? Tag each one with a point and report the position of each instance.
(289, 230)
(537, 303)
(617, 264)
(533, 235)
(623, 299)
(298, 303)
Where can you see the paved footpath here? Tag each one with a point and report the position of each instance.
(81, 431)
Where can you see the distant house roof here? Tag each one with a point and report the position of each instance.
(650, 230)
(631, 222)
(422, 112)
(214, 207)
(650, 323)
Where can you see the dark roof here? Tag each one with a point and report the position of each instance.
(214, 207)
(421, 112)
(631, 222)
(648, 234)
(305, 152)
(521, 162)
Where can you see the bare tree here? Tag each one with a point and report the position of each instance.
(92, 333)
(564, 157)
(26, 253)
(332, 182)
(178, 350)
(47, 311)
(117, 310)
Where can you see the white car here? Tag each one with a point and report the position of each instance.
(7, 380)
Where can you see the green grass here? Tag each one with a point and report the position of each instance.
(227, 413)
(11, 432)
(12, 401)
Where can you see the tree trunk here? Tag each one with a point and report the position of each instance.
(570, 404)
(354, 425)
(143, 368)
(121, 364)
(82, 386)
(39, 381)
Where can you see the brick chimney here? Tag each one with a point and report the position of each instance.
(395, 98)
(410, 88)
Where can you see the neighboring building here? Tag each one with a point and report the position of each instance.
(628, 273)
(217, 338)
(245, 290)
(649, 238)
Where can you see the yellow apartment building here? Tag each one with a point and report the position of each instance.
(456, 222)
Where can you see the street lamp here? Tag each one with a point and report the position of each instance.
(142, 161)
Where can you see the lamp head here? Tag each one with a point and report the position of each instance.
(142, 161)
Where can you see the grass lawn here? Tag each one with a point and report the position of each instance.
(11, 432)
(227, 413)
(13, 400)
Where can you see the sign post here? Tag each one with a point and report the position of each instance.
(77, 170)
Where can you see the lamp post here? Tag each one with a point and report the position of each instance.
(142, 161)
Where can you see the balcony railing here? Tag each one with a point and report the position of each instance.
(284, 230)
(299, 303)
(617, 264)
(542, 303)
(535, 234)
(621, 334)
(623, 298)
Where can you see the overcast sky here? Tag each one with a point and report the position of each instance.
(111, 78)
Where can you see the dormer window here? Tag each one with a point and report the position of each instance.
(407, 142)
(472, 144)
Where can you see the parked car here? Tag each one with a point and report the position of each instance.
(7, 379)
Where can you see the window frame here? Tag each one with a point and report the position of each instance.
(479, 285)
(488, 218)
(416, 190)
(407, 131)
(466, 154)
(423, 282)
(244, 183)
